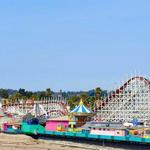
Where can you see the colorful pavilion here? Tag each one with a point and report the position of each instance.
(80, 115)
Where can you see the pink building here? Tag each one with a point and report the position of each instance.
(105, 128)
(53, 124)
(111, 132)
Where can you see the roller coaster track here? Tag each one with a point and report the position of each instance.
(129, 101)
(118, 91)
(51, 107)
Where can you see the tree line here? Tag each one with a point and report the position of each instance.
(73, 98)
(22, 94)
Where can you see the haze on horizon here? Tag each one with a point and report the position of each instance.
(72, 45)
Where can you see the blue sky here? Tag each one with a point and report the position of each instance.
(72, 44)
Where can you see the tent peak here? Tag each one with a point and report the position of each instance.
(81, 102)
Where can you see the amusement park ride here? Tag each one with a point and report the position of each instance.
(49, 107)
(132, 100)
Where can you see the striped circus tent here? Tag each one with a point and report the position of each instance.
(81, 108)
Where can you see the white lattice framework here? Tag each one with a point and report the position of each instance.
(54, 107)
(130, 101)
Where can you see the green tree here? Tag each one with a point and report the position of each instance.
(84, 96)
(91, 102)
(4, 93)
(29, 94)
(73, 101)
(48, 92)
(34, 97)
(22, 92)
(98, 93)
(41, 95)
(16, 96)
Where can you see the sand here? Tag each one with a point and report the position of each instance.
(23, 142)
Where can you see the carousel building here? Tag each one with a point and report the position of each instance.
(80, 115)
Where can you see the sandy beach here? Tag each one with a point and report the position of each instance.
(23, 142)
